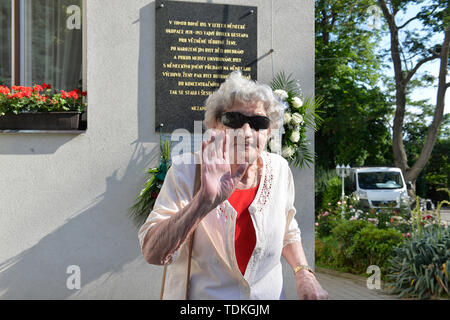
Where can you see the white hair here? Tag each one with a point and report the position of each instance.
(237, 88)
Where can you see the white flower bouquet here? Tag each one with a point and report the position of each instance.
(300, 114)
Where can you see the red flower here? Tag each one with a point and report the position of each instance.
(84, 93)
(17, 95)
(154, 195)
(64, 94)
(73, 94)
(46, 86)
(27, 92)
(4, 90)
(38, 88)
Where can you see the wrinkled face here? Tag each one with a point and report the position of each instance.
(247, 143)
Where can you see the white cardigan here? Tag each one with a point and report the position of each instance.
(214, 270)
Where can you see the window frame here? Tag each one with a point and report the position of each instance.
(17, 39)
(18, 54)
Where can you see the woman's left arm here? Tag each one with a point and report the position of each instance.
(307, 285)
(308, 288)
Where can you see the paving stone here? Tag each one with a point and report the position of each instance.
(342, 287)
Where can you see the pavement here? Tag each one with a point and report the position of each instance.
(445, 216)
(346, 286)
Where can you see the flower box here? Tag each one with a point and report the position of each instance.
(41, 108)
(67, 120)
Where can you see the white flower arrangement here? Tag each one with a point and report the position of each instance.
(297, 102)
(297, 119)
(281, 93)
(299, 115)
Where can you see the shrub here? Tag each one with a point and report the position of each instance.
(321, 178)
(332, 193)
(358, 244)
(325, 250)
(372, 246)
(420, 267)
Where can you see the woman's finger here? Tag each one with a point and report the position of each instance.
(219, 147)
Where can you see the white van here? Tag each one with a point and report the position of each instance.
(376, 187)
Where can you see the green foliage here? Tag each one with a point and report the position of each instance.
(372, 246)
(355, 111)
(333, 192)
(420, 267)
(147, 197)
(298, 152)
(354, 245)
(325, 251)
(417, 40)
(345, 231)
(321, 178)
(39, 98)
(436, 173)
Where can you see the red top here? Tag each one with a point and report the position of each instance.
(244, 236)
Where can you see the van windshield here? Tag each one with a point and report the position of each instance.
(380, 180)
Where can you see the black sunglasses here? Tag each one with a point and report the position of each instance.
(236, 120)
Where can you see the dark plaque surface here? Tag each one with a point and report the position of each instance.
(197, 46)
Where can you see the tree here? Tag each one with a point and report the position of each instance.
(436, 173)
(355, 110)
(408, 54)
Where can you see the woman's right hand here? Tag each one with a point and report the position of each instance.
(217, 180)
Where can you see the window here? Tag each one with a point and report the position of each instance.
(41, 42)
(5, 42)
(380, 180)
(52, 43)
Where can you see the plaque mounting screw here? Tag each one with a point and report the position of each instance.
(252, 11)
(161, 5)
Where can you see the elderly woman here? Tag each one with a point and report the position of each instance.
(242, 213)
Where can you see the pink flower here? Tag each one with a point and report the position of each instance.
(408, 234)
(316, 224)
(351, 207)
(325, 214)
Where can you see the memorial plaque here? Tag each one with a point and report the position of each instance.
(197, 46)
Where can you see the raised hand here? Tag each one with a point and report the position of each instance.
(217, 179)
